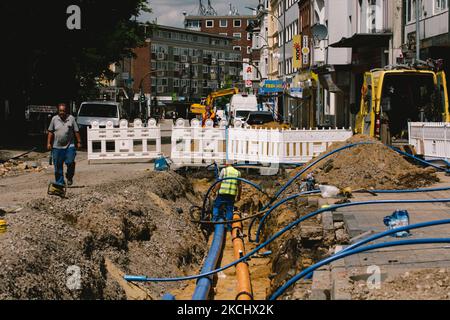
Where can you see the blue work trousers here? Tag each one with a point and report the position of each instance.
(61, 156)
(228, 202)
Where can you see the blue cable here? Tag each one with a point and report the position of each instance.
(279, 203)
(341, 255)
(410, 190)
(273, 238)
(387, 233)
(427, 163)
(283, 188)
(317, 191)
(351, 204)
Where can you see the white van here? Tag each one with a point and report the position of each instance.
(100, 111)
(241, 105)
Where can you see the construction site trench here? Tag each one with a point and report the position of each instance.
(144, 225)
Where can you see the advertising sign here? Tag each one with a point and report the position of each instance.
(297, 54)
(271, 86)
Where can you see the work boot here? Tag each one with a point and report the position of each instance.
(69, 182)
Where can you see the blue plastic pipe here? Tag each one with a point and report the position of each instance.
(204, 284)
(344, 254)
(274, 237)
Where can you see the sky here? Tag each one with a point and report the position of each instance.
(170, 12)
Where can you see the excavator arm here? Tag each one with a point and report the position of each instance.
(202, 109)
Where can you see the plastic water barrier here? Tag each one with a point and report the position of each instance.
(136, 142)
(195, 145)
(430, 139)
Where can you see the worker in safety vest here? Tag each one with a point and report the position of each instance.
(229, 191)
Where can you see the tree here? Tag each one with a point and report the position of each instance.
(46, 62)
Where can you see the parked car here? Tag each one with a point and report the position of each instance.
(259, 118)
(100, 111)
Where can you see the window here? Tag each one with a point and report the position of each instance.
(237, 23)
(237, 35)
(440, 5)
(411, 10)
(249, 50)
(223, 23)
(237, 48)
(176, 83)
(249, 36)
(210, 23)
(224, 34)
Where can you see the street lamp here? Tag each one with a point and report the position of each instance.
(141, 91)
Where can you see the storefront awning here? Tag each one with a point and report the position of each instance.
(364, 40)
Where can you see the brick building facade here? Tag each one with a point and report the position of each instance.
(231, 26)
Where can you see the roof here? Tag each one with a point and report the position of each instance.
(364, 40)
(206, 34)
(196, 17)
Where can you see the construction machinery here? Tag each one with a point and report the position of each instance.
(393, 96)
(206, 107)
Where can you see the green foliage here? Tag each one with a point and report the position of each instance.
(46, 62)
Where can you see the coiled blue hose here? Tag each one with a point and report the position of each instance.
(344, 254)
(274, 237)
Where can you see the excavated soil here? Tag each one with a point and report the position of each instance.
(139, 227)
(417, 285)
(373, 166)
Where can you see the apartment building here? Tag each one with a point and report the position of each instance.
(185, 64)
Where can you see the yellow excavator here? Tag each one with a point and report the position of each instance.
(206, 107)
(395, 95)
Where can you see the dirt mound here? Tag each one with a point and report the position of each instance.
(142, 226)
(417, 285)
(371, 166)
(40, 259)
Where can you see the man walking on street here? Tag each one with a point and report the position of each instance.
(229, 192)
(61, 142)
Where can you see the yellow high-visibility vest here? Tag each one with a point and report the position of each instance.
(230, 186)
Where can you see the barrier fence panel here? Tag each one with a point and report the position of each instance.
(124, 143)
(194, 145)
(430, 139)
(301, 146)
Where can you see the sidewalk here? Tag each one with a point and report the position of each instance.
(395, 260)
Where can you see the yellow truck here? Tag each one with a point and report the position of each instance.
(393, 96)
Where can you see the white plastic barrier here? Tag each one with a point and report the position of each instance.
(430, 139)
(195, 145)
(124, 143)
(300, 146)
